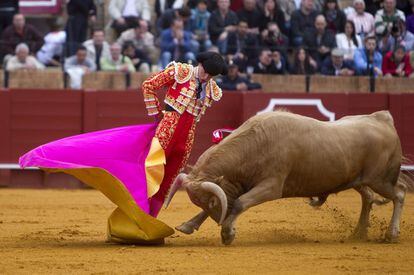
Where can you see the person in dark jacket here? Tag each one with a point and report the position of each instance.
(250, 14)
(234, 82)
(20, 32)
(242, 46)
(273, 39)
(272, 13)
(79, 13)
(8, 8)
(222, 21)
(302, 21)
(334, 16)
(335, 65)
(319, 41)
(270, 63)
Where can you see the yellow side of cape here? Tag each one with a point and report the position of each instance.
(128, 223)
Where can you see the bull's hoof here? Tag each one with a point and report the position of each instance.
(391, 237)
(227, 236)
(186, 228)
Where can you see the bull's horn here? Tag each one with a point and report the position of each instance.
(219, 193)
(175, 186)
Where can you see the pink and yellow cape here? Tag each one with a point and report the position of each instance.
(126, 164)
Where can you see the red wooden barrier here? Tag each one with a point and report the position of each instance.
(29, 118)
(40, 116)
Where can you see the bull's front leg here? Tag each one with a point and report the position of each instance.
(267, 190)
(195, 223)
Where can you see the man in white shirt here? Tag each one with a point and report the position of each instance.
(22, 60)
(97, 47)
(52, 50)
(125, 13)
(364, 21)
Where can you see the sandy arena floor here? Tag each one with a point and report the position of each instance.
(52, 231)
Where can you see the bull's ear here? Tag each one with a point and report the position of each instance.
(213, 202)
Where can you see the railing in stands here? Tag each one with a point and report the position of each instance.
(56, 79)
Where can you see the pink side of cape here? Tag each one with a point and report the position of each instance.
(120, 151)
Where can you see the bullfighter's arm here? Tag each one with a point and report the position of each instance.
(154, 83)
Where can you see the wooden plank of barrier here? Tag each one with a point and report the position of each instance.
(5, 136)
(367, 103)
(104, 81)
(137, 79)
(40, 116)
(33, 79)
(338, 84)
(1, 79)
(107, 109)
(401, 107)
(281, 83)
(394, 85)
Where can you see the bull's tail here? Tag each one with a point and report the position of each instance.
(405, 177)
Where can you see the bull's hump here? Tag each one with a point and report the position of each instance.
(384, 116)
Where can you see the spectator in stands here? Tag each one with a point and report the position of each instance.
(273, 39)
(77, 66)
(348, 41)
(336, 65)
(20, 32)
(364, 21)
(411, 58)
(211, 4)
(303, 63)
(138, 58)
(125, 13)
(335, 18)
(250, 14)
(272, 13)
(287, 7)
(143, 40)
(117, 61)
(402, 36)
(222, 22)
(183, 14)
(8, 8)
(270, 63)
(162, 5)
(410, 20)
(97, 47)
(302, 21)
(79, 13)
(51, 52)
(368, 60)
(80, 60)
(22, 60)
(386, 18)
(242, 46)
(319, 41)
(176, 44)
(233, 81)
(397, 63)
(199, 24)
(397, 36)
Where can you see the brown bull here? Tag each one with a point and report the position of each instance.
(280, 155)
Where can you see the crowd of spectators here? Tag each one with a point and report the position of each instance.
(255, 36)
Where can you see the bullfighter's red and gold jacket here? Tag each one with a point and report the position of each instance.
(180, 78)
